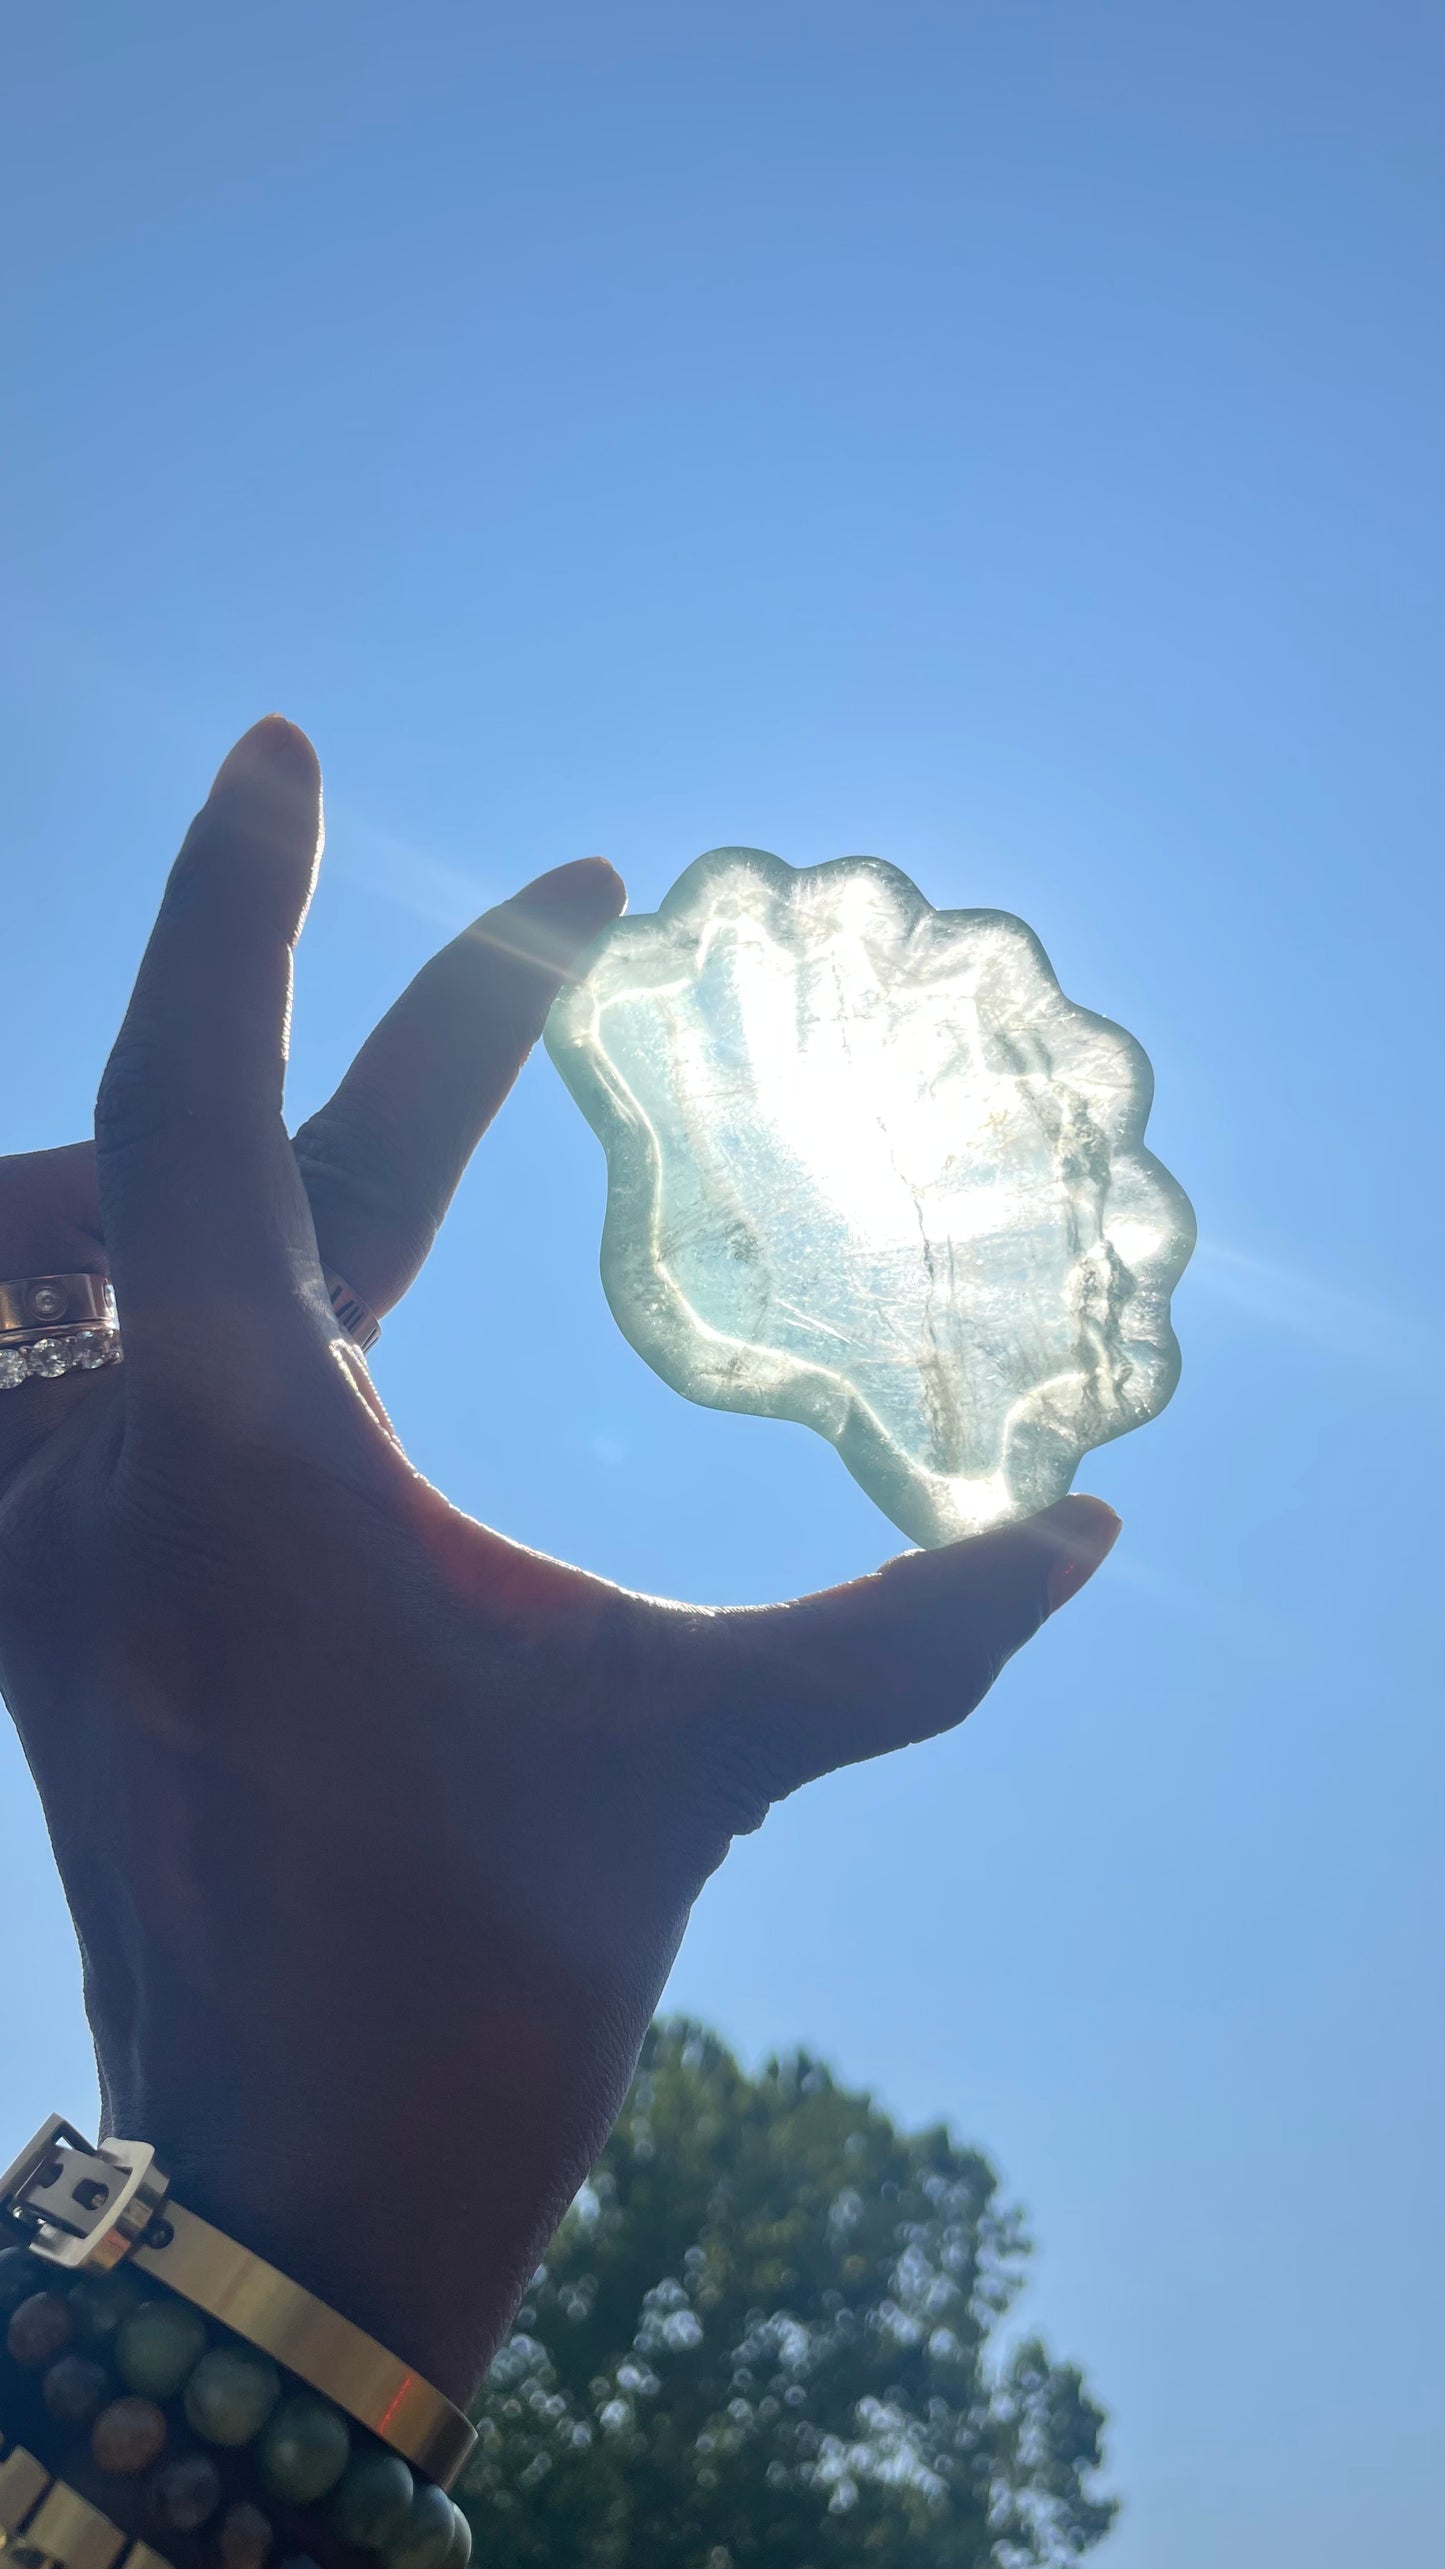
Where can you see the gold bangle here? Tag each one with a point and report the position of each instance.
(82, 2206)
(261, 2304)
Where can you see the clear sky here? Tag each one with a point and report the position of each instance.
(1002, 438)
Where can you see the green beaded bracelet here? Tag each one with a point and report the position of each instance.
(158, 2347)
(231, 2394)
(184, 2435)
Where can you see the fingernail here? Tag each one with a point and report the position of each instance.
(553, 923)
(589, 887)
(271, 749)
(1085, 1532)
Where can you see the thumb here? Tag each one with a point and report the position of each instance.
(903, 1654)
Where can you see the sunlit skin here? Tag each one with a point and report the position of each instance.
(379, 1831)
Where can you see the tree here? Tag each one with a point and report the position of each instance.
(763, 2336)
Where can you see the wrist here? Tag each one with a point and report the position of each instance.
(351, 2226)
(396, 2189)
(299, 2108)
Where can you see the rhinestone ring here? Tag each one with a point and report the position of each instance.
(52, 1325)
(79, 1351)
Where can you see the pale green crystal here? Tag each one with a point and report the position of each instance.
(870, 1170)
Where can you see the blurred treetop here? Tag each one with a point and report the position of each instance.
(765, 2334)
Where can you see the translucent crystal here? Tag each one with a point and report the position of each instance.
(870, 1170)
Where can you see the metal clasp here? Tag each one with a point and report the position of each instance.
(79, 2205)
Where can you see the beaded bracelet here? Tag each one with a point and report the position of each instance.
(131, 2417)
(186, 2438)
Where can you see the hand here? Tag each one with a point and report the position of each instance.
(379, 1831)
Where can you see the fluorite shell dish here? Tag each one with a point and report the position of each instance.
(869, 1169)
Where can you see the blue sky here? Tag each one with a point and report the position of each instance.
(1002, 439)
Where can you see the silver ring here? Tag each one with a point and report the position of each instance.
(66, 1324)
(51, 1306)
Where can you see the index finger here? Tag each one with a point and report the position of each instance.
(199, 1192)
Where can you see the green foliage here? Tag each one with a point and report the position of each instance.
(762, 2337)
